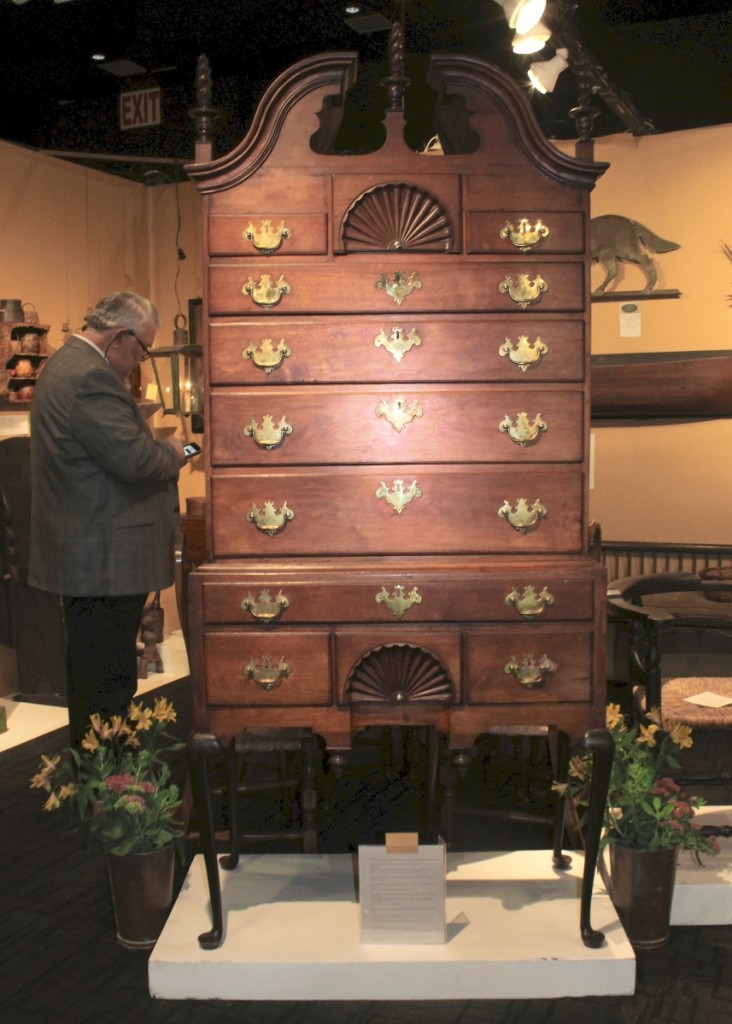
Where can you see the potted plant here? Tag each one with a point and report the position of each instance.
(120, 784)
(647, 819)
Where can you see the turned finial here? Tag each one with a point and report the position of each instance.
(204, 113)
(395, 82)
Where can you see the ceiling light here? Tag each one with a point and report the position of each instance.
(543, 75)
(531, 41)
(365, 23)
(522, 15)
(352, 8)
(99, 56)
(123, 68)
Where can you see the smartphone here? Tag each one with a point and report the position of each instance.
(191, 448)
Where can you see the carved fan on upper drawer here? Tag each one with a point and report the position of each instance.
(398, 216)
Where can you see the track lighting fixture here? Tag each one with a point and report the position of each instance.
(533, 40)
(522, 15)
(543, 75)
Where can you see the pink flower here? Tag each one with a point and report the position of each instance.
(118, 783)
(132, 803)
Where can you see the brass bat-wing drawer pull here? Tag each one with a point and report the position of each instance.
(523, 432)
(268, 434)
(523, 517)
(265, 608)
(530, 603)
(523, 290)
(524, 236)
(266, 293)
(524, 353)
(267, 355)
(267, 675)
(268, 239)
(530, 672)
(270, 520)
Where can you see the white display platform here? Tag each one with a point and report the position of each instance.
(703, 894)
(292, 933)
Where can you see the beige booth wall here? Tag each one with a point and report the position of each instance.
(72, 234)
(668, 483)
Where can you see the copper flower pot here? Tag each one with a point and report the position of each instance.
(642, 890)
(142, 894)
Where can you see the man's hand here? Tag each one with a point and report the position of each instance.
(177, 445)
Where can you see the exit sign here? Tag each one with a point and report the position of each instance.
(140, 108)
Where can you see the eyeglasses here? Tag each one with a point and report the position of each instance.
(145, 350)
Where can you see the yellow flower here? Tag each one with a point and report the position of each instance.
(52, 804)
(646, 735)
(43, 779)
(67, 790)
(109, 729)
(680, 735)
(654, 716)
(164, 711)
(142, 717)
(90, 741)
(614, 716)
(577, 768)
(96, 722)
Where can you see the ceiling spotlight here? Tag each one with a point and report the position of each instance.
(19, 3)
(543, 75)
(352, 8)
(531, 41)
(98, 56)
(522, 15)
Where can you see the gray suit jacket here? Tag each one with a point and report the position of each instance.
(104, 495)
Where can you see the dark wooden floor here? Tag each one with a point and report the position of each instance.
(60, 961)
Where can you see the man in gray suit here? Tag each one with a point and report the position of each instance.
(104, 502)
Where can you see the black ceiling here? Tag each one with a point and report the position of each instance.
(671, 60)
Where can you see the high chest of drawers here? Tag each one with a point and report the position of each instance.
(397, 422)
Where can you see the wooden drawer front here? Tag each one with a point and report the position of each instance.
(352, 645)
(565, 234)
(396, 348)
(275, 193)
(491, 650)
(337, 511)
(302, 235)
(533, 596)
(350, 286)
(310, 425)
(515, 189)
(228, 656)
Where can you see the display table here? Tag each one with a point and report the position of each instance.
(292, 933)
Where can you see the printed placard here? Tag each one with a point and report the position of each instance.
(402, 891)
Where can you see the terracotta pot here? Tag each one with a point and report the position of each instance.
(642, 890)
(142, 894)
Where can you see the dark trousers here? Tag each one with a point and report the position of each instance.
(101, 657)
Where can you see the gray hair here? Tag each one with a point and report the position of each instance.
(122, 309)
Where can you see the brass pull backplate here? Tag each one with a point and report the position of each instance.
(265, 608)
(530, 672)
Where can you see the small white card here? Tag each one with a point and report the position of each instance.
(402, 888)
(709, 700)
